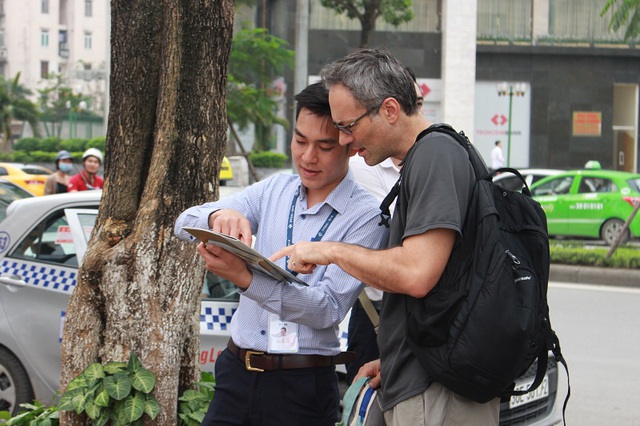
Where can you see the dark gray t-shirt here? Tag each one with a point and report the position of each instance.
(436, 185)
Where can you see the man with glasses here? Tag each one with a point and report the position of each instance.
(437, 182)
(263, 379)
(378, 179)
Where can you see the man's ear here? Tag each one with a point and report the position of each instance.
(390, 110)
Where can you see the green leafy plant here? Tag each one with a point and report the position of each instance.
(193, 404)
(268, 159)
(34, 414)
(577, 253)
(117, 392)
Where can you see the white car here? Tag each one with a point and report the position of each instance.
(531, 176)
(42, 242)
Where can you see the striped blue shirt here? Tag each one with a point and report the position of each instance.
(319, 308)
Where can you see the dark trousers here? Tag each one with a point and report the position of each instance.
(361, 339)
(305, 396)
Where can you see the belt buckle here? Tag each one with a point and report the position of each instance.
(247, 361)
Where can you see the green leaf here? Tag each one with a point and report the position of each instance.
(103, 419)
(115, 367)
(118, 416)
(134, 406)
(151, 406)
(118, 386)
(70, 399)
(92, 409)
(93, 373)
(102, 398)
(143, 380)
(78, 382)
(134, 363)
(190, 395)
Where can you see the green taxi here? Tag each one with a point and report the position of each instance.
(590, 203)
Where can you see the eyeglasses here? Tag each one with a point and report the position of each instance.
(346, 129)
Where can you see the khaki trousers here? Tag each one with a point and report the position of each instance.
(438, 406)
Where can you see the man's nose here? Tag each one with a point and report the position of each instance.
(345, 139)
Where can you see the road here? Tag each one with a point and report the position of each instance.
(599, 337)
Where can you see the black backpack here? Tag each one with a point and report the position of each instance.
(487, 320)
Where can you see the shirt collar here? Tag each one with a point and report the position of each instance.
(338, 199)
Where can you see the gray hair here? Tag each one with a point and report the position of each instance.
(372, 75)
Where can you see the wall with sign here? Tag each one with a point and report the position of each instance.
(492, 123)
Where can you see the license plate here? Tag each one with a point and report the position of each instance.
(540, 392)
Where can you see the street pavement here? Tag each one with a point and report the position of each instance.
(592, 275)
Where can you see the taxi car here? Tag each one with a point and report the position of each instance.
(30, 177)
(42, 242)
(226, 172)
(590, 202)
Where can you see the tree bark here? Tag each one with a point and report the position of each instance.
(138, 288)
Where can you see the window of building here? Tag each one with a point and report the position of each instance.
(504, 19)
(44, 6)
(44, 38)
(426, 19)
(2, 38)
(88, 8)
(87, 40)
(44, 69)
(570, 23)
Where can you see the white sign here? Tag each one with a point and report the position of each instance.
(492, 123)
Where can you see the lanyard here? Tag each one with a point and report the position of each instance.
(319, 235)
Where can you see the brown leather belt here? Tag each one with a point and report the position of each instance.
(261, 361)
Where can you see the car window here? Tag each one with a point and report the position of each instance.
(535, 178)
(3, 171)
(596, 185)
(556, 186)
(219, 288)
(634, 184)
(33, 170)
(50, 241)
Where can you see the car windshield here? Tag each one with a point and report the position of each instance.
(556, 186)
(8, 194)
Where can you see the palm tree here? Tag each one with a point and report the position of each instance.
(14, 105)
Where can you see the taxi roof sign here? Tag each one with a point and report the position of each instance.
(593, 165)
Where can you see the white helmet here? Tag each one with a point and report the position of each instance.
(93, 152)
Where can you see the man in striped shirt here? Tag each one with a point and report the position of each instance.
(298, 384)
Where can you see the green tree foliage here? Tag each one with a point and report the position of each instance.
(14, 105)
(256, 57)
(394, 12)
(626, 13)
(57, 102)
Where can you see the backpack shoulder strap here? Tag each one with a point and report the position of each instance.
(477, 162)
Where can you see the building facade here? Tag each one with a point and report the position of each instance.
(571, 84)
(40, 38)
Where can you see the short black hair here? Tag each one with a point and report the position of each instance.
(315, 98)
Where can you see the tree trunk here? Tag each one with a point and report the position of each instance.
(368, 23)
(139, 287)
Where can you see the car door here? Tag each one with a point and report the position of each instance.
(38, 276)
(552, 196)
(589, 203)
